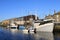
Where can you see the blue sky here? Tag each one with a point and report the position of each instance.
(17, 8)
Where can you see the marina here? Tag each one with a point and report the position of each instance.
(29, 19)
(31, 28)
(44, 26)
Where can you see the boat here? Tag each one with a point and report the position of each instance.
(24, 30)
(44, 26)
(12, 25)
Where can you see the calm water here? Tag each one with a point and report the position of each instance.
(8, 34)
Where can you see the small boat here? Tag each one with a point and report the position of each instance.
(24, 30)
(12, 25)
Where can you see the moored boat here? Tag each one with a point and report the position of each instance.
(44, 26)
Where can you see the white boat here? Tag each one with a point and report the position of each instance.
(26, 31)
(12, 25)
(44, 26)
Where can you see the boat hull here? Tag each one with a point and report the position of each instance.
(45, 27)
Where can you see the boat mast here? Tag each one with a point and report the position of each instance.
(35, 16)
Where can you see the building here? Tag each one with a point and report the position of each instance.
(24, 18)
(49, 17)
(55, 16)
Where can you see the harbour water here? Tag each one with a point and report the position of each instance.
(8, 34)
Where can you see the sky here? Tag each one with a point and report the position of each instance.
(18, 8)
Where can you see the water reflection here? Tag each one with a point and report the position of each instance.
(15, 34)
(33, 36)
(44, 36)
(57, 35)
(8, 34)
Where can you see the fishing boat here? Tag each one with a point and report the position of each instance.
(44, 26)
